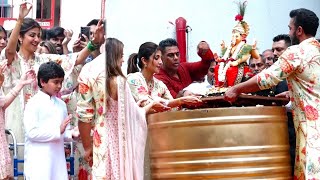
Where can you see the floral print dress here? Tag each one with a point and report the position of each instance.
(6, 169)
(300, 65)
(140, 89)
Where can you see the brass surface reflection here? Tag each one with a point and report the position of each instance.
(220, 143)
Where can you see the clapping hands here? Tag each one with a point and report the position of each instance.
(28, 77)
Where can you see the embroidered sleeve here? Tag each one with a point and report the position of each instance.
(165, 91)
(138, 90)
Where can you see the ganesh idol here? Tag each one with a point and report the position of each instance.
(232, 67)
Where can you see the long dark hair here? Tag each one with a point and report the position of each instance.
(27, 24)
(135, 59)
(114, 52)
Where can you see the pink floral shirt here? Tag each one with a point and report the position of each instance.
(300, 65)
(90, 107)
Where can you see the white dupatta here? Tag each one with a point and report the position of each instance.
(132, 133)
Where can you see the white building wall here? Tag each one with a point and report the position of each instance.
(77, 13)
(137, 21)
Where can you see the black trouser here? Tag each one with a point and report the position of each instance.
(292, 139)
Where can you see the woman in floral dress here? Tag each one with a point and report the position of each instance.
(144, 85)
(119, 125)
(6, 168)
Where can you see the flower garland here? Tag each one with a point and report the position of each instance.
(222, 71)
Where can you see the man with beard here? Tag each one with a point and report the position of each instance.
(60, 38)
(300, 65)
(280, 43)
(176, 75)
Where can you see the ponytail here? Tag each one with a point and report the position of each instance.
(133, 63)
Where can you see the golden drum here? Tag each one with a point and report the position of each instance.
(220, 143)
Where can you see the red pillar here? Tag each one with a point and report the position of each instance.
(181, 27)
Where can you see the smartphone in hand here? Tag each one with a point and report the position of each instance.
(86, 31)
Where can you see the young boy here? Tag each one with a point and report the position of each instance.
(46, 125)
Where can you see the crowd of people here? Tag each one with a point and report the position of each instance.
(52, 94)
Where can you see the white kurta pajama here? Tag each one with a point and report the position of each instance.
(44, 145)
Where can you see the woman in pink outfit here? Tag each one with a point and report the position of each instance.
(5, 159)
(119, 124)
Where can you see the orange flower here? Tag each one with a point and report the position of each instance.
(285, 66)
(96, 138)
(83, 88)
(301, 105)
(311, 112)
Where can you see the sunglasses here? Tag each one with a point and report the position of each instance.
(258, 65)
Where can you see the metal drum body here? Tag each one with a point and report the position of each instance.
(220, 143)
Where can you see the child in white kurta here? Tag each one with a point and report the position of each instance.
(46, 128)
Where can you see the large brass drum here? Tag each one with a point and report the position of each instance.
(220, 143)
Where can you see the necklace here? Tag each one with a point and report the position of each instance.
(30, 62)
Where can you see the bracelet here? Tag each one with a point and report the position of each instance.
(14, 93)
(91, 46)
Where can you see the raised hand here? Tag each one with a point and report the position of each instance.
(24, 10)
(254, 46)
(203, 47)
(68, 33)
(28, 77)
(98, 34)
(65, 123)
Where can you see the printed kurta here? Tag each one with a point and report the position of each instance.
(44, 157)
(119, 133)
(300, 65)
(5, 159)
(141, 90)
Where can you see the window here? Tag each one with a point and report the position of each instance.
(5, 9)
(43, 9)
